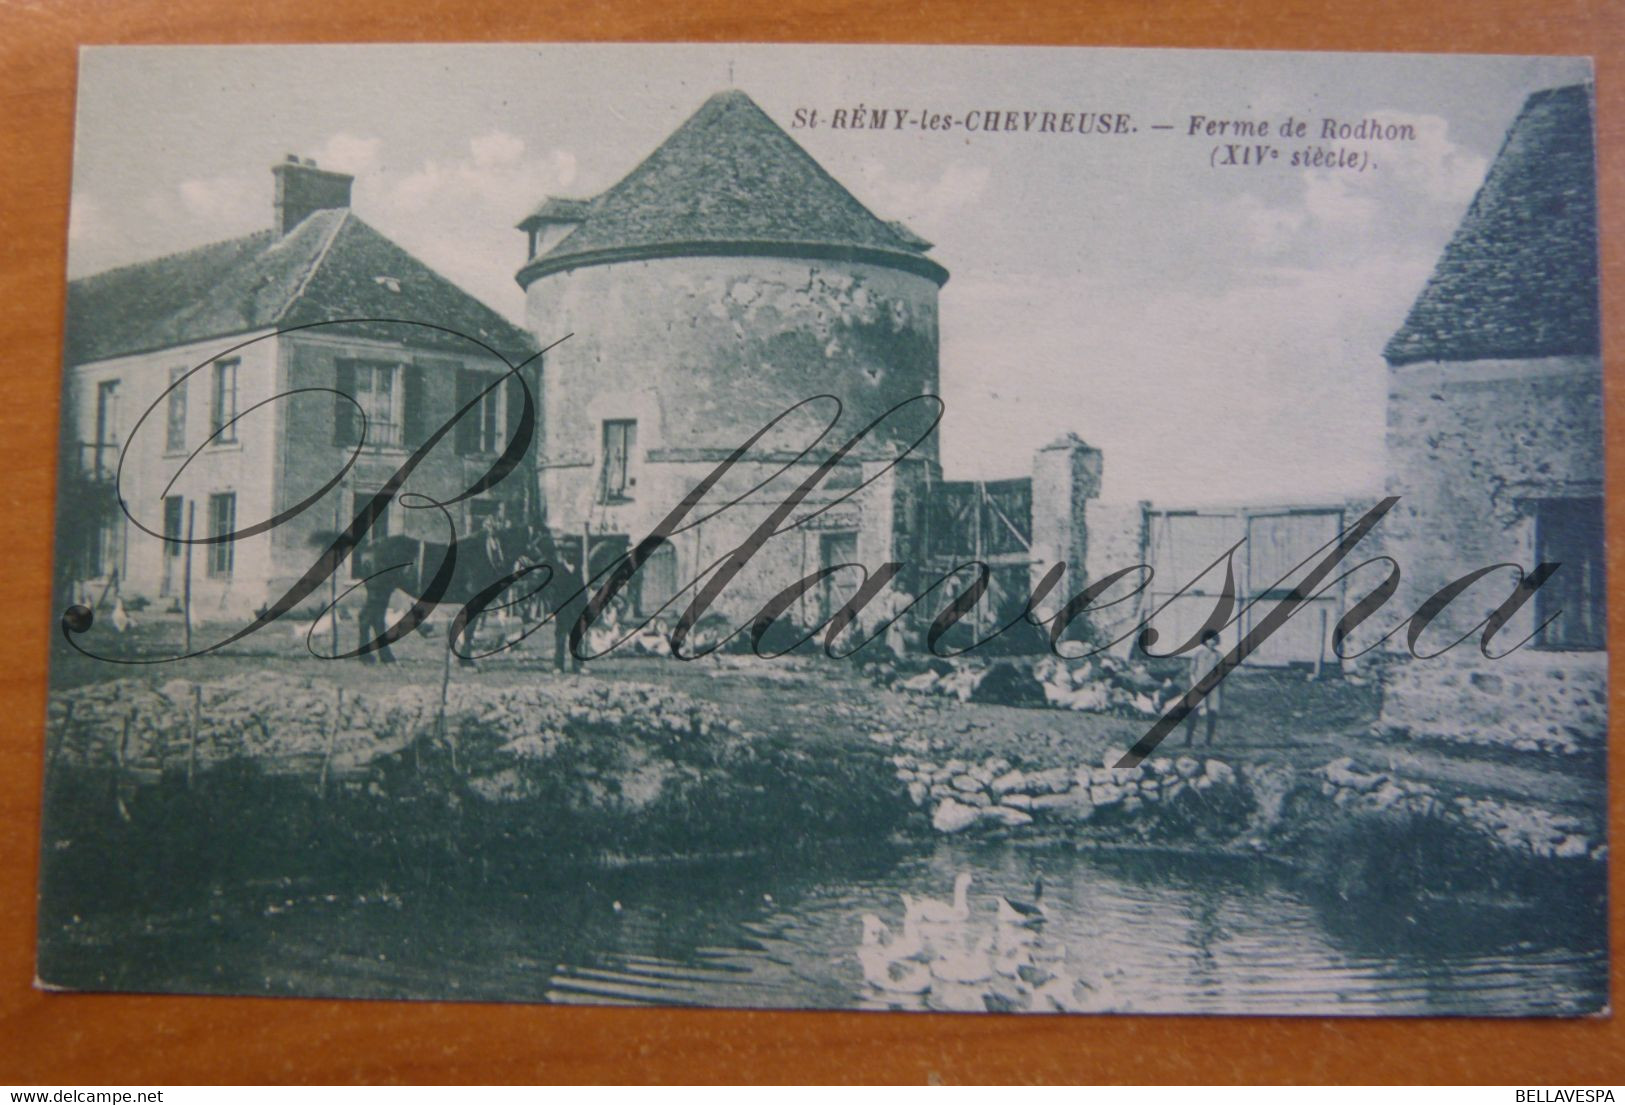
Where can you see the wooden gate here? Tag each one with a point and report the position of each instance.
(1182, 543)
(988, 521)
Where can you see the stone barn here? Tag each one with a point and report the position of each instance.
(1495, 437)
(724, 280)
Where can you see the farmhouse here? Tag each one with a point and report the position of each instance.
(173, 367)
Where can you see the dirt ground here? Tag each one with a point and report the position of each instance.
(1271, 715)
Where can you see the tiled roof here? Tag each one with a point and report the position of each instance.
(729, 180)
(331, 266)
(1519, 279)
(556, 209)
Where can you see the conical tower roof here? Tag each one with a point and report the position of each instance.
(728, 181)
(1519, 279)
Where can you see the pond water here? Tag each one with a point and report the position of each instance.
(1152, 932)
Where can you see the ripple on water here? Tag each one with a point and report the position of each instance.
(1168, 934)
(1154, 933)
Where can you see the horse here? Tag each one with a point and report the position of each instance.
(412, 566)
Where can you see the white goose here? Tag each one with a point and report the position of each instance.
(883, 970)
(965, 965)
(1011, 956)
(909, 944)
(932, 911)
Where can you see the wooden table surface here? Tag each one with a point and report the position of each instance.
(67, 1040)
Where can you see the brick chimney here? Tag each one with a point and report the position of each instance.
(302, 189)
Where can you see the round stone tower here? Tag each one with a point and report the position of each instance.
(726, 279)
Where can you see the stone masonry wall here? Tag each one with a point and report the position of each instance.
(1471, 448)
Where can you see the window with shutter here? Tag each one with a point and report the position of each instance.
(105, 452)
(485, 428)
(223, 403)
(413, 413)
(175, 431)
(513, 408)
(222, 520)
(377, 415)
(346, 427)
(1568, 532)
(467, 433)
(174, 516)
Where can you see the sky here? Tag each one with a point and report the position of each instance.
(1216, 331)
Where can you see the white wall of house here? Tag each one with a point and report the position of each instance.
(121, 405)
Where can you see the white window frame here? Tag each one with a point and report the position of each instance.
(222, 557)
(223, 414)
(381, 434)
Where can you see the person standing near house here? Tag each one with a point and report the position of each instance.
(567, 598)
(1203, 660)
(497, 560)
(492, 546)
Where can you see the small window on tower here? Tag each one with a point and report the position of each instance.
(620, 441)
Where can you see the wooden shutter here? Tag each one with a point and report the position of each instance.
(345, 425)
(468, 427)
(417, 423)
(514, 403)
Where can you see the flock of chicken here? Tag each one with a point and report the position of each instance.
(943, 959)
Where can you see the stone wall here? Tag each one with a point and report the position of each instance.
(1531, 700)
(703, 352)
(1066, 481)
(1472, 447)
(961, 795)
(1116, 541)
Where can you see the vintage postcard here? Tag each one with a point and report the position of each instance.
(990, 530)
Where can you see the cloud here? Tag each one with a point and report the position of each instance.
(1265, 390)
(496, 148)
(231, 202)
(457, 213)
(1402, 209)
(1433, 166)
(348, 153)
(928, 206)
(497, 171)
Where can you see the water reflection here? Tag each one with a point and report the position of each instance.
(1125, 932)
